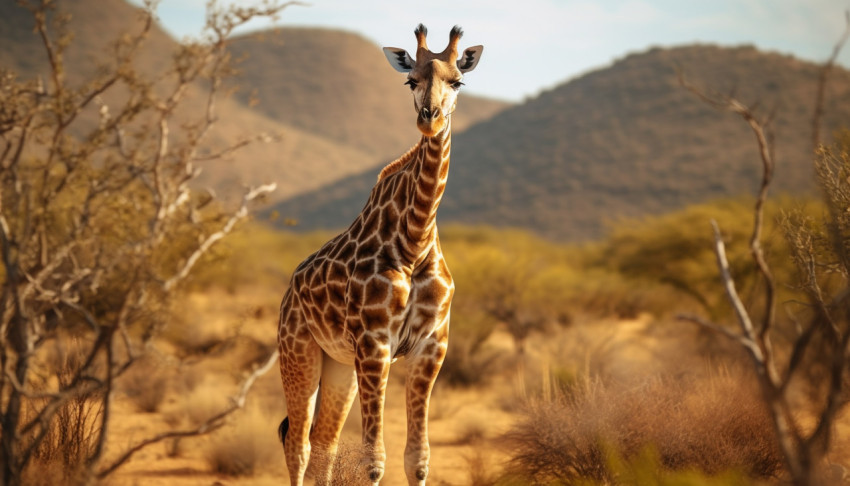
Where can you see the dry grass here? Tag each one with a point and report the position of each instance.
(711, 425)
(71, 433)
(145, 383)
(348, 468)
(70, 440)
(465, 367)
(243, 448)
(480, 471)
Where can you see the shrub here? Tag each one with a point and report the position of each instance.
(145, 383)
(243, 448)
(711, 425)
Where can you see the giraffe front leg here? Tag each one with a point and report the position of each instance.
(421, 374)
(372, 365)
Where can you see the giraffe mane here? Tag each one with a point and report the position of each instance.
(396, 164)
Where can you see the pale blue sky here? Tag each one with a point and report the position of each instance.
(530, 45)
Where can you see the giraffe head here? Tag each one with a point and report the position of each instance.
(434, 78)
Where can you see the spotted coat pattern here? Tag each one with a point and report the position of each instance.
(378, 291)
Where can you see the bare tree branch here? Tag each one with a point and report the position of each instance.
(817, 116)
(210, 240)
(209, 425)
(93, 219)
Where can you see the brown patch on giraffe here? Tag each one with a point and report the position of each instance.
(369, 225)
(398, 301)
(407, 254)
(368, 248)
(389, 223)
(433, 292)
(372, 408)
(372, 366)
(345, 252)
(355, 327)
(427, 187)
(422, 203)
(304, 295)
(444, 171)
(373, 318)
(420, 386)
(427, 315)
(355, 293)
(367, 386)
(337, 272)
(319, 294)
(315, 313)
(385, 259)
(402, 190)
(333, 317)
(376, 291)
(386, 195)
(354, 230)
(430, 349)
(336, 292)
(418, 220)
(363, 270)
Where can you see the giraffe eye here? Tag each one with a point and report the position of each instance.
(411, 83)
(456, 85)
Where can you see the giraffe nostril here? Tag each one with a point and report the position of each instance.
(430, 114)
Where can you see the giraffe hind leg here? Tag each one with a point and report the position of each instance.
(300, 370)
(336, 394)
(283, 428)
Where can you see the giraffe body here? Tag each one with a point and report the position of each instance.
(378, 291)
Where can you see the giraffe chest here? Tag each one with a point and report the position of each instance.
(399, 307)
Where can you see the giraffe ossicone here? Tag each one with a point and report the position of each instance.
(378, 291)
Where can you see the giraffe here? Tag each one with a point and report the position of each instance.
(378, 291)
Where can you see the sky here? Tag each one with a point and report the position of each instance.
(534, 45)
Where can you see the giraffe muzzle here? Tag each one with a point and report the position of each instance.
(431, 121)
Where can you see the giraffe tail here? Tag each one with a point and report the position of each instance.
(283, 429)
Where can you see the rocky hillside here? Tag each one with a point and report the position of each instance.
(337, 103)
(623, 141)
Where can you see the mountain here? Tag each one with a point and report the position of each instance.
(92, 25)
(338, 85)
(331, 95)
(623, 141)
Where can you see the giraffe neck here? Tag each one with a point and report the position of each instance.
(430, 174)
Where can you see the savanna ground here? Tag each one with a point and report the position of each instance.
(566, 365)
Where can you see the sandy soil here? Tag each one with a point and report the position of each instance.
(465, 425)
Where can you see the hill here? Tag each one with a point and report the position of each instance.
(622, 141)
(329, 127)
(337, 85)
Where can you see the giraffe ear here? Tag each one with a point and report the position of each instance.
(399, 59)
(469, 59)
